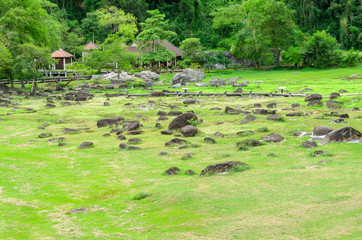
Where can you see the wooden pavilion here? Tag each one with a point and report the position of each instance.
(64, 58)
(88, 48)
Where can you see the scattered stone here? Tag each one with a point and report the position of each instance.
(344, 134)
(158, 125)
(135, 132)
(229, 109)
(218, 134)
(247, 119)
(189, 101)
(209, 140)
(201, 84)
(271, 105)
(182, 120)
(161, 113)
(257, 105)
(321, 130)
(294, 114)
(106, 135)
(334, 95)
(190, 172)
(245, 133)
(60, 139)
(220, 168)
(313, 97)
(318, 153)
(248, 143)
(123, 146)
(189, 131)
(168, 132)
(106, 104)
(215, 108)
(271, 155)
(315, 103)
(172, 171)
(45, 135)
(340, 120)
(342, 91)
(275, 117)
(131, 125)
(187, 156)
(274, 137)
(109, 121)
(121, 137)
(295, 105)
(61, 144)
(344, 115)
(162, 118)
(312, 166)
(134, 140)
(163, 153)
(174, 113)
(176, 141)
(85, 145)
(309, 144)
(78, 210)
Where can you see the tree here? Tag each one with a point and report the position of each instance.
(6, 62)
(31, 59)
(321, 50)
(192, 51)
(266, 26)
(153, 33)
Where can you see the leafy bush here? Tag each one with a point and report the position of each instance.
(351, 58)
(140, 196)
(135, 82)
(193, 122)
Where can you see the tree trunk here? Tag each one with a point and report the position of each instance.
(32, 85)
(12, 82)
(22, 82)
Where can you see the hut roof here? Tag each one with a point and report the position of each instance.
(91, 45)
(61, 54)
(164, 43)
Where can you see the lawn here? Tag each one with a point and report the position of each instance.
(126, 195)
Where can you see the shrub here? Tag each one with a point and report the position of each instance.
(140, 196)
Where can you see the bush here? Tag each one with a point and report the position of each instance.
(351, 58)
(135, 82)
(140, 196)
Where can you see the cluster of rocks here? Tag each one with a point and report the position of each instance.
(121, 78)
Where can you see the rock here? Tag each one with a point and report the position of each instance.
(182, 120)
(4, 89)
(109, 121)
(61, 144)
(50, 106)
(84, 85)
(135, 132)
(344, 115)
(106, 104)
(181, 79)
(248, 143)
(168, 132)
(340, 120)
(162, 118)
(189, 131)
(342, 91)
(321, 130)
(215, 108)
(238, 90)
(176, 141)
(264, 111)
(60, 139)
(174, 113)
(274, 137)
(178, 85)
(106, 135)
(161, 113)
(344, 134)
(78, 210)
(257, 105)
(121, 137)
(309, 144)
(334, 95)
(218, 134)
(163, 153)
(271, 155)
(275, 117)
(313, 97)
(66, 103)
(294, 114)
(187, 156)
(85, 145)
(222, 167)
(271, 105)
(245, 133)
(315, 103)
(131, 126)
(134, 140)
(217, 82)
(295, 105)
(220, 122)
(190, 172)
(318, 153)
(173, 171)
(229, 109)
(201, 84)
(158, 125)
(45, 135)
(189, 101)
(209, 140)
(157, 94)
(123, 146)
(247, 119)
(258, 82)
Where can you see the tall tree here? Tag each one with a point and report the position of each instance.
(154, 31)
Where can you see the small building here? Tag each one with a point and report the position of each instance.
(64, 58)
(134, 48)
(88, 48)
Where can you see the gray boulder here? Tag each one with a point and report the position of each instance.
(344, 134)
(274, 137)
(222, 167)
(313, 97)
(201, 84)
(321, 130)
(181, 79)
(189, 131)
(196, 75)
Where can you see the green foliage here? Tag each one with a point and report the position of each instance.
(193, 122)
(321, 50)
(140, 195)
(293, 56)
(135, 82)
(351, 58)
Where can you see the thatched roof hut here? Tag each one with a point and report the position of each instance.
(64, 58)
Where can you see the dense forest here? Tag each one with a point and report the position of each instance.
(195, 18)
(313, 33)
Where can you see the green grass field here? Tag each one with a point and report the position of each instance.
(127, 195)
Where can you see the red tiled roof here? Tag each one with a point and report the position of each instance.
(61, 54)
(164, 43)
(91, 45)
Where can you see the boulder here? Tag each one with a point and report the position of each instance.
(229, 109)
(106, 104)
(313, 97)
(176, 141)
(182, 120)
(201, 84)
(217, 82)
(218, 134)
(345, 115)
(247, 119)
(168, 132)
(134, 140)
(108, 121)
(344, 134)
(321, 130)
(342, 91)
(209, 140)
(257, 105)
(173, 171)
(4, 89)
(85, 145)
(274, 137)
(190, 172)
(189, 131)
(131, 125)
(157, 94)
(181, 79)
(178, 85)
(174, 113)
(309, 144)
(162, 118)
(222, 167)
(248, 143)
(238, 90)
(295, 105)
(334, 95)
(84, 85)
(161, 113)
(275, 117)
(196, 75)
(271, 105)
(189, 101)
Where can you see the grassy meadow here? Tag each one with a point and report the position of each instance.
(127, 195)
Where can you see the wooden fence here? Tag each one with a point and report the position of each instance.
(46, 80)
